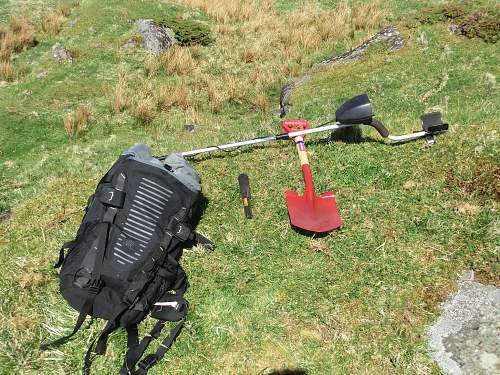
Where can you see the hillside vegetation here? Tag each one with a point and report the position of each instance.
(269, 298)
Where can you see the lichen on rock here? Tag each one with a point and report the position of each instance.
(157, 38)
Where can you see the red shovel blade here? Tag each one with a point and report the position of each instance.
(318, 214)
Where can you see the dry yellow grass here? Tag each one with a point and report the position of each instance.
(178, 95)
(64, 9)
(223, 88)
(177, 60)
(255, 52)
(144, 106)
(226, 11)
(215, 96)
(82, 116)
(120, 101)
(260, 102)
(369, 16)
(69, 125)
(16, 37)
(3, 31)
(256, 47)
(6, 71)
(151, 67)
(335, 25)
(52, 23)
(76, 122)
(144, 111)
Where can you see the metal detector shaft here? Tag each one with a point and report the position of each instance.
(266, 139)
(336, 125)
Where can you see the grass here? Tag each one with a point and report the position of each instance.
(355, 301)
(76, 122)
(52, 23)
(18, 35)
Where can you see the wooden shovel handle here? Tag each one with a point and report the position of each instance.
(306, 169)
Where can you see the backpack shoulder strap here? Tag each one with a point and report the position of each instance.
(136, 350)
(151, 359)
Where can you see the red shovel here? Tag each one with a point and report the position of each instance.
(309, 212)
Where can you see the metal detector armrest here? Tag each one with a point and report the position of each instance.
(432, 123)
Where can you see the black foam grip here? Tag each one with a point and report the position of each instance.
(245, 195)
(244, 185)
(380, 127)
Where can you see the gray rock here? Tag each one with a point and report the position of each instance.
(465, 338)
(61, 54)
(189, 128)
(490, 80)
(129, 44)
(156, 38)
(5, 215)
(454, 29)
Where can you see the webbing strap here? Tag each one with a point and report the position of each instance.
(86, 309)
(109, 328)
(203, 241)
(132, 336)
(134, 354)
(100, 347)
(151, 359)
(132, 343)
(60, 260)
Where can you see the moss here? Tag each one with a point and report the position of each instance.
(187, 32)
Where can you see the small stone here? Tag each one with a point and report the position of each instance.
(490, 80)
(5, 215)
(454, 29)
(189, 128)
(129, 44)
(61, 54)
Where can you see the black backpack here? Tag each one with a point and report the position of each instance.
(124, 262)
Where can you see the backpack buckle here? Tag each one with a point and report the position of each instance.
(147, 362)
(95, 286)
(111, 197)
(182, 232)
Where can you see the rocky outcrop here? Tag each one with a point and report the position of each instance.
(464, 339)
